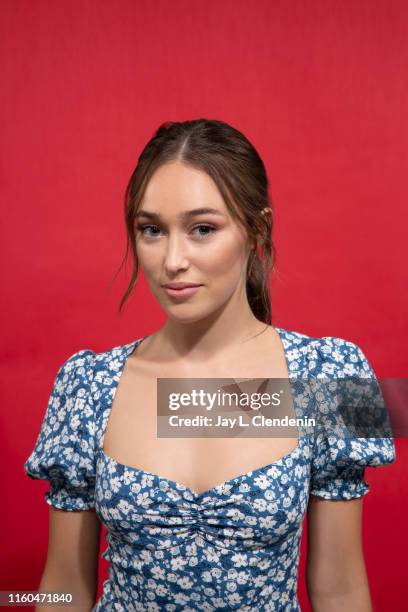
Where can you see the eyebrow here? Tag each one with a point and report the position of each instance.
(184, 215)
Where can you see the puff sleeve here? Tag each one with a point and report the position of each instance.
(338, 460)
(64, 451)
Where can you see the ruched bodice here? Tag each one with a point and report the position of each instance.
(232, 547)
(227, 545)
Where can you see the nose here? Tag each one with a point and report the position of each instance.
(175, 257)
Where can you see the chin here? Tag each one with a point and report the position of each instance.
(184, 318)
(184, 313)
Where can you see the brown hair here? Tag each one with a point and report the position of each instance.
(227, 156)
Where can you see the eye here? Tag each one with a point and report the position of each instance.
(205, 227)
(142, 228)
(208, 229)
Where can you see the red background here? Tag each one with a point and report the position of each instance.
(318, 87)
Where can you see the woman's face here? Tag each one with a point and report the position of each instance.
(176, 242)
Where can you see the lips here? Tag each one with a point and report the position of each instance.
(181, 292)
(178, 286)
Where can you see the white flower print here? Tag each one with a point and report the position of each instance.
(240, 560)
(262, 481)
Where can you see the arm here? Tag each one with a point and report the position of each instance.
(72, 558)
(336, 577)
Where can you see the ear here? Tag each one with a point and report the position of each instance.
(252, 245)
(265, 211)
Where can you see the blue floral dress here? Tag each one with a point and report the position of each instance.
(232, 547)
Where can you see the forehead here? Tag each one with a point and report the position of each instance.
(176, 186)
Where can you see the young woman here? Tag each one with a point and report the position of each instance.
(204, 523)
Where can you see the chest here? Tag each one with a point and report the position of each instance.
(200, 463)
(166, 493)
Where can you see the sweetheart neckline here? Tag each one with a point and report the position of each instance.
(226, 483)
(129, 349)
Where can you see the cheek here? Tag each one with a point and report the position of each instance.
(149, 259)
(225, 257)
